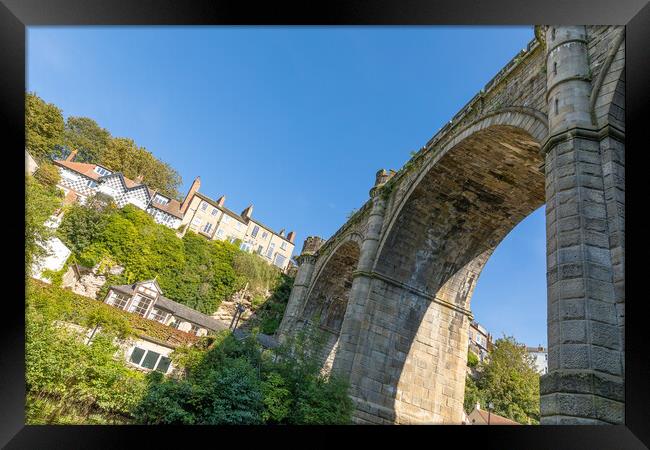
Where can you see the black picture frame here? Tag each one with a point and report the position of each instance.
(16, 15)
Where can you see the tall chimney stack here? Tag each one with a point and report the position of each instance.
(72, 155)
(196, 184)
(248, 212)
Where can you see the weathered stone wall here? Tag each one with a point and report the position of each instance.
(547, 129)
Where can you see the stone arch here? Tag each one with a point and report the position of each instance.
(529, 121)
(482, 183)
(327, 299)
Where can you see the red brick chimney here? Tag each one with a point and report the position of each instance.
(71, 156)
(196, 184)
(291, 236)
(221, 200)
(139, 179)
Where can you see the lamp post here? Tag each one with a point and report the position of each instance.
(490, 408)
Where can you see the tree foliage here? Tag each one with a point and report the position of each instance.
(192, 270)
(49, 136)
(123, 155)
(43, 127)
(40, 203)
(232, 382)
(87, 137)
(47, 174)
(67, 380)
(508, 380)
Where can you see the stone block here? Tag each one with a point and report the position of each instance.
(607, 360)
(573, 332)
(574, 356)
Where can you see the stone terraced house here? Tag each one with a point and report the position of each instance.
(212, 220)
(82, 180)
(145, 299)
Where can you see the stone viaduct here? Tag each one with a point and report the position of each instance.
(392, 287)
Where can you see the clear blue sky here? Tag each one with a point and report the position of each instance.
(295, 120)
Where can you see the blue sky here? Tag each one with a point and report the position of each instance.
(295, 120)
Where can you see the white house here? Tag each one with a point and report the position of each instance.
(82, 180)
(540, 358)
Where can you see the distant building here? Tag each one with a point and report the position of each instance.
(82, 180)
(146, 300)
(480, 341)
(540, 358)
(211, 219)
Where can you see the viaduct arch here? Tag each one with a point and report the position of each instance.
(393, 286)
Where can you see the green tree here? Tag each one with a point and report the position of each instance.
(87, 137)
(509, 380)
(123, 155)
(47, 174)
(40, 203)
(43, 127)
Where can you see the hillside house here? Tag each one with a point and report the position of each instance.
(146, 300)
(82, 180)
(212, 220)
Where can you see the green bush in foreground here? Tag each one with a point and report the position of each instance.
(233, 382)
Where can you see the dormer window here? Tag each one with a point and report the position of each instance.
(160, 199)
(101, 171)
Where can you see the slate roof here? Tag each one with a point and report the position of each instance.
(177, 309)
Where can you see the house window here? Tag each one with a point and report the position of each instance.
(140, 305)
(150, 360)
(279, 260)
(158, 315)
(175, 323)
(219, 233)
(215, 211)
(283, 246)
(194, 329)
(118, 300)
(245, 246)
(256, 229)
(101, 171)
(91, 183)
(196, 221)
(238, 225)
(264, 235)
(259, 250)
(207, 227)
(204, 206)
(137, 354)
(160, 199)
(163, 364)
(269, 252)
